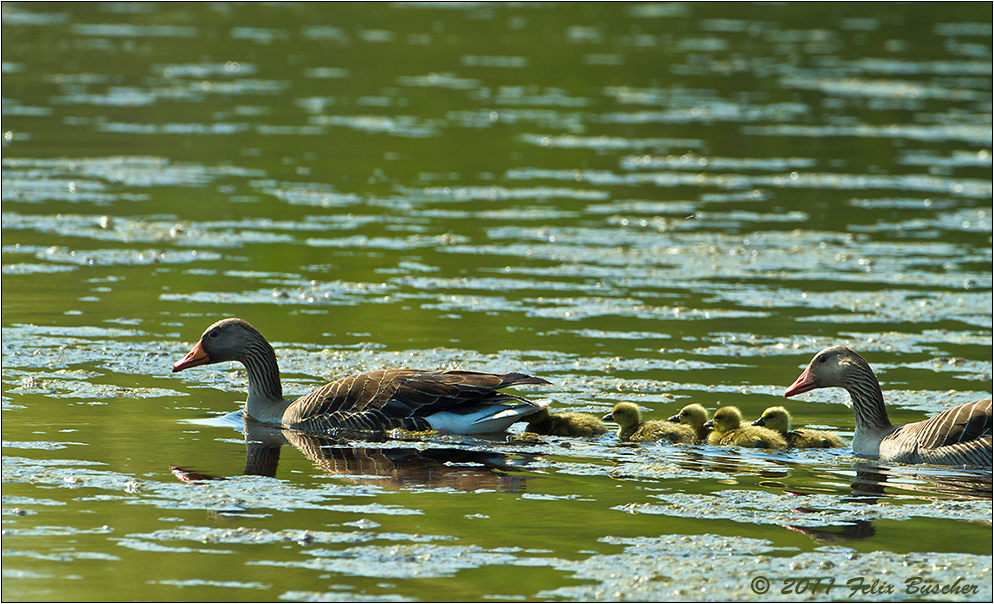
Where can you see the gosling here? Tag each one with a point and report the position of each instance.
(728, 430)
(778, 419)
(694, 416)
(632, 429)
(565, 424)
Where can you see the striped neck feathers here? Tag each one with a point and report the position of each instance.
(265, 392)
(867, 398)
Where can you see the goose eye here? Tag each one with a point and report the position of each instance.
(212, 334)
(822, 358)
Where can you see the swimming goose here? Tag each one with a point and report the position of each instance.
(564, 424)
(778, 420)
(695, 416)
(631, 428)
(459, 402)
(958, 436)
(728, 430)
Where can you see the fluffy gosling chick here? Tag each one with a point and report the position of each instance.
(631, 428)
(728, 430)
(778, 419)
(694, 416)
(565, 424)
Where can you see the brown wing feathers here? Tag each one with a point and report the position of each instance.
(371, 401)
(960, 424)
(434, 392)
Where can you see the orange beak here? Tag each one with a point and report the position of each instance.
(804, 383)
(195, 357)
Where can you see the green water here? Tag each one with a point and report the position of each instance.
(656, 203)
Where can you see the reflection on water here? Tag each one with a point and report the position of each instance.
(875, 481)
(853, 531)
(653, 203)
(457, 469)
(377, 461)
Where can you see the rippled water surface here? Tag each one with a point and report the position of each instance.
(656, 203)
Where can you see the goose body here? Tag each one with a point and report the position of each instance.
(459, 402)
(778, 419)
(695, 416)
(729, 431)
(631, 428)
(957, 436)
(565, 424)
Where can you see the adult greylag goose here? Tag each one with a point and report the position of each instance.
(695, 416)
(778, 419)
(564, 424)
(729, 431)
(631, 428)
(458, 402)
(958, 436)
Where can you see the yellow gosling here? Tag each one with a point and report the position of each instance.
(565, 424)
(694, 416)
(779, 420)
(631, 428)
(728, 430)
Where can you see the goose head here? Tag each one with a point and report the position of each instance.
(625, 415)
(692, 415)
(226, 340)
(774, 418)
(725, 419)
(836, 366)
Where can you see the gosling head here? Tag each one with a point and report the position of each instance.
(774, 418)
(625, 415)
(725, 419)
(692, 415)
(539, 416)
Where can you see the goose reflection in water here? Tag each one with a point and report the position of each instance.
(379, 463)
(868, 486)
(853, 531)
(870, 483)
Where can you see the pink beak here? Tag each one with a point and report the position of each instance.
(804, 383)
(195, 357)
